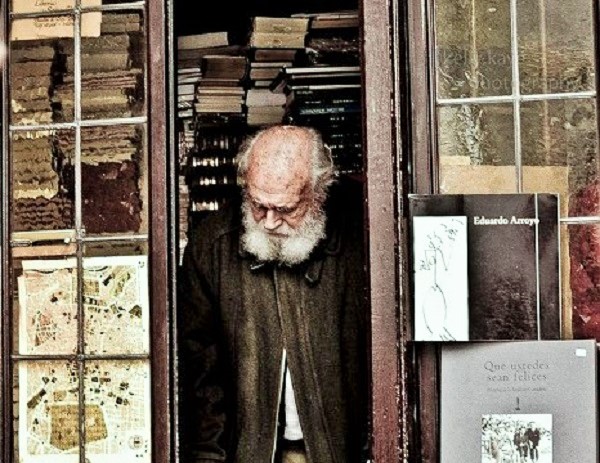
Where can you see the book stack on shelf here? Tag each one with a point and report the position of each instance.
(112, 156)
(264, 107)
(281, 33)
(192, 48)
(41, 199)
(329, 99)
(273, 44)
(111, 72)
(221, 87)
(32, 81)
(333, 38)
(190, 51)
(265, 64)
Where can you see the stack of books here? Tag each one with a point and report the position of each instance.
(333, 38)
(264, 107)
(221, 89)
(270, 32)
(329, 99)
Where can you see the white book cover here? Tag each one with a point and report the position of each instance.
(519, 401)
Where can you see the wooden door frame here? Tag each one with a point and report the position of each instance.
(383, 140)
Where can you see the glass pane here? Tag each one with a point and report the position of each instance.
(582, 285)
(556, 46)
(114, 180)
(35, 72)
(43, 184)
(116, 304)
(476, 149)
(46, 396)
(119, 394)
(45, 306)
(473, 48)
(560, 150)
(115, 248)
(112, 68)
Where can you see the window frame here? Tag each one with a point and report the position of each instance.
(159, 255)
(422, 104)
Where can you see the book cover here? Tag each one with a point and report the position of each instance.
(204, 40)
(508, 402)
(485, 266)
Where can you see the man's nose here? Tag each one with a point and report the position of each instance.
(272, 220)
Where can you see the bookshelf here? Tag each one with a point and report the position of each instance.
(263, 65)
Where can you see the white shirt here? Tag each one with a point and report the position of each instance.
(293, 430)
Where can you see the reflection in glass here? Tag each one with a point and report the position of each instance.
(114, 182)
(42, 188)
(476, 149)
(112, 68)
(47, 412)
(119, 392)
(583, 248)
(556, 46)
(116, 305)
(473, 48)
(559, 144)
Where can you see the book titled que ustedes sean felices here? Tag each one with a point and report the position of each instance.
(519, 401)
(485, 266)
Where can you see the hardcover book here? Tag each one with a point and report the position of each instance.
(485, 266)
(508, 402)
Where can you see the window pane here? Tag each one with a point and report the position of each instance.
(43, 188)
(476, 149)
(47, 412)
(112, 68)
(46, 308)
(582, 290)
(473, 48)
(114, 180)
(35, 70)
(119, 391)
(560, 151)
(556, 46)
(115, 298)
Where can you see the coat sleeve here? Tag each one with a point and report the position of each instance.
(201, 373)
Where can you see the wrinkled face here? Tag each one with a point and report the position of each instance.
(278, 208)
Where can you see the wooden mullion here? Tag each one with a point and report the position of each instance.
(160, 289)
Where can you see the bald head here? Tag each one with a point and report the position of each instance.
(281, 156)
(286, 156)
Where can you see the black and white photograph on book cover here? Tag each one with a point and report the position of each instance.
(516, 438)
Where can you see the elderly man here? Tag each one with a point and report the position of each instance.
(273, 314)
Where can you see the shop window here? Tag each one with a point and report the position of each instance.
(78, 307)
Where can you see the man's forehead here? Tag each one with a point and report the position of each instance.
(275, 189)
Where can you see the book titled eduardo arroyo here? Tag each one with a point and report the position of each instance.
(485, 266)
(512, 402)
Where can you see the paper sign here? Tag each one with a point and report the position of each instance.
(53, 26)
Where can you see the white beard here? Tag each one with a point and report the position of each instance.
(291, 249)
